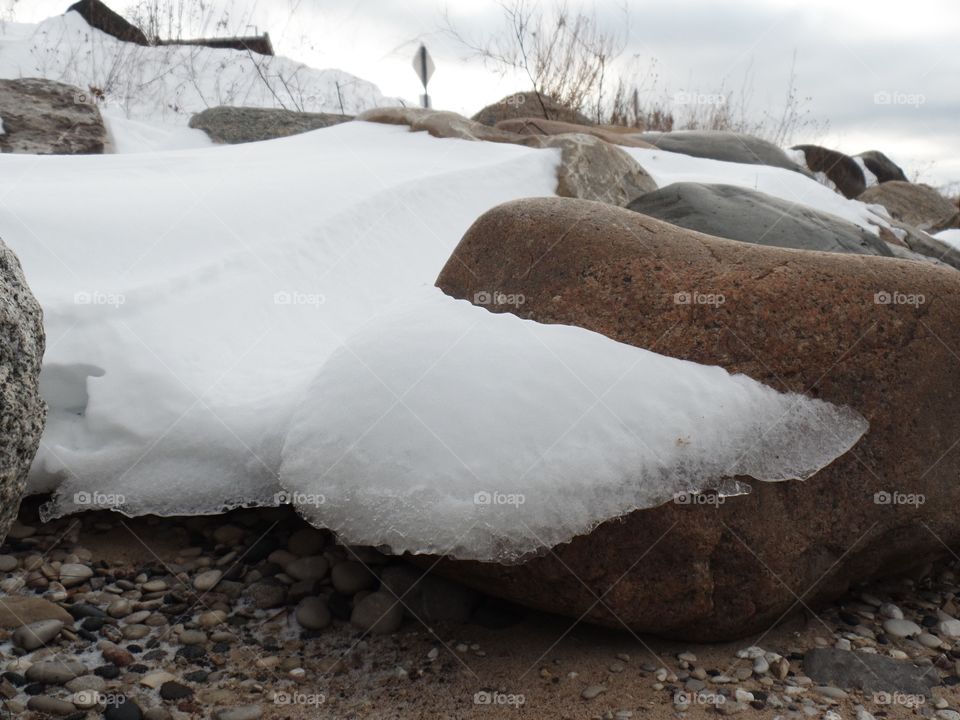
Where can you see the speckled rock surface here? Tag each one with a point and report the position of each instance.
(44, 117)
(529, 104)
(913, 203)
(22, 410)
(235, 125)
(539, 126)
(878, 334)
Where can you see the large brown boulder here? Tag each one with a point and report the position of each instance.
(539, 126)
(102, 18)
(842, 170)
(913, 203)
(877, 334)
(529, 104)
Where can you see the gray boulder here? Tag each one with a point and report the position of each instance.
(236, 125)
(22, 410)
(882, 167)
(529, 104)
(738, 213)
(722, 145)
(43, 117)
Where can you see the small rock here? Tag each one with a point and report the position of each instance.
(889, 610)
(74, 574)
(378, 613)
(928, 640)
(36, 635)
(351, 577)
(8, 563)
(313, 567)
(207, 580)
(156, 679)
(172, 690)
(592, 691)
(115, 654)
(50, 705)
(229, 535)
(313, 613)
(55, 672)
(246, 712)
(950, 628)
(122, 708)
(193, 637)
(901, 628)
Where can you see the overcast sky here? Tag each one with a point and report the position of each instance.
(850, 57)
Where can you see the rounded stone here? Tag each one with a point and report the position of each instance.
(313, 613)
(350, 577)
(378, 614)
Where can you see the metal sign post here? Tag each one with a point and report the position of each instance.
(423, 65)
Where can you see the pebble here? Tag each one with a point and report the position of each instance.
(136, 632)
(313, 613)
(901, 628)
(228, 535)
(314, 567)
(36, 635)
(172, 690)
(193, 637)
(207, 580)
(592, 691)
(889, 610)
(156, 679)
(8, 563)
(124, 709)
(948, 714)
(351, 577)
(830, 692)
(152, 586)
(50, 705)
(928, 640)
(74, 574)
(86, 682)
(267, 594)
(212, 619)
(378, 613)
(55, 672)
(116, 655)
(246, 712)
(950, 628)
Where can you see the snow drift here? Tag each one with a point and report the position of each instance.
(231, 326)
(443, 428)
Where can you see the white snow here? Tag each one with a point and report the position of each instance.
(443, 428)
(951, 237)
(2, 129)
(192, 295)
(166, 85)
(868, 175)
(668, 167)
(135, 136)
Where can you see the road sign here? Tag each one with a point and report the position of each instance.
(423, 64)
